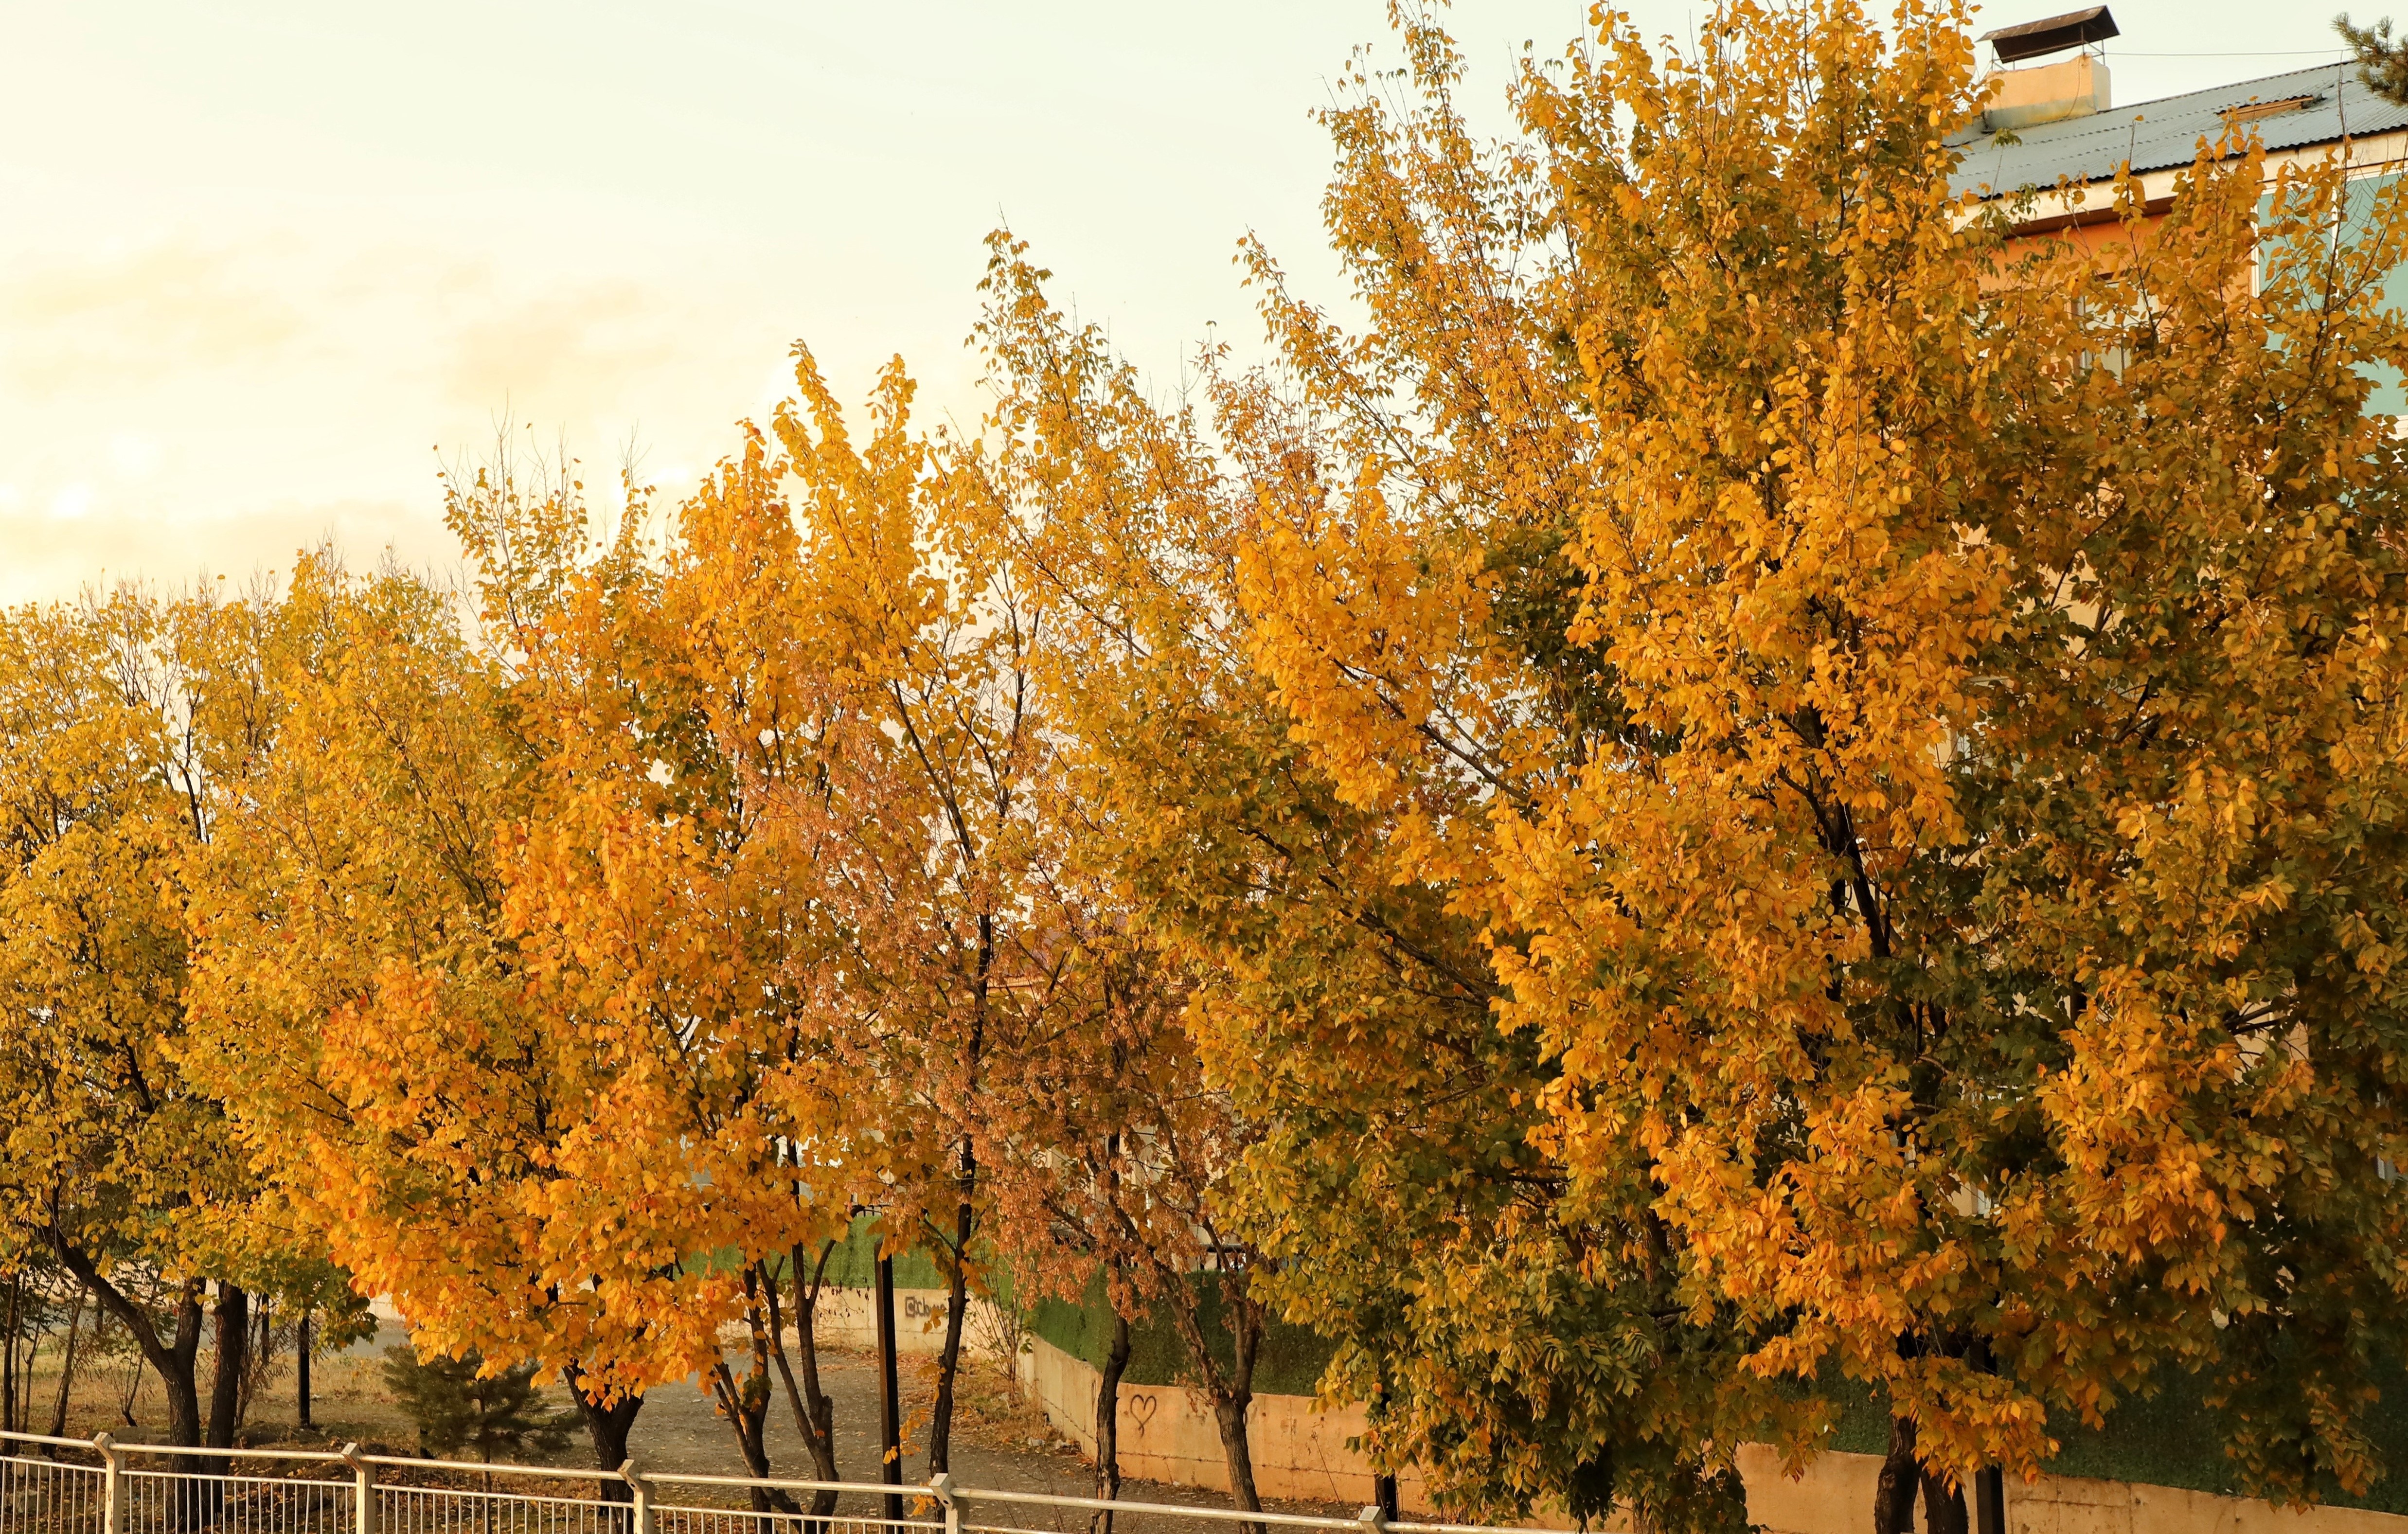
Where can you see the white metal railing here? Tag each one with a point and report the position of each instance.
(281, 1491)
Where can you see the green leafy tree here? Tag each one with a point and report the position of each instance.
(2382, 58)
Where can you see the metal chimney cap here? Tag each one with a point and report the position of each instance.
(2052, 34)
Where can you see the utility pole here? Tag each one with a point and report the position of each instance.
(890, 1405)
(301, 1364)
(1989, 1501)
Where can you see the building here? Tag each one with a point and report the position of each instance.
(2055, 121)
(2053, 126)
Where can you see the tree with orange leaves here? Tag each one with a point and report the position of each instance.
(1107, 1149)
(1346, 1116)
(1015, 1049)
(570, 1093)
(1914, 717)
(358, 994)
(916, 813)
(687, 893)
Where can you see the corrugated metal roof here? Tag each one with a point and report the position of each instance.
(2157, 134)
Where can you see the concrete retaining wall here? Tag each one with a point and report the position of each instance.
(1168, 1434)
(848, 1318)
(1836, 1496)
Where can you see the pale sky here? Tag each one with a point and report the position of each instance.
(259, 262)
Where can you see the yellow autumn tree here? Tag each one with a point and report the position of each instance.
(674, 924)
(122, 718)
(1374, 1173)
(770, 882)
(929, 745)
(359, 996)
(1913, 713)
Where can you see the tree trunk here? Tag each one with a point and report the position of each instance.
(203, 1503)
(1245, 1321)
(32, 1334)
(136, 1373)
(1944, 1505)
(815, 1414)
(66, 1370)
(606, 1426)
(890, 1393)
(1108, 1423)
(1231, 1392)
(949, 1363)
(172, 1361)
(225, 1381)
(179, 1378)
(1894, 1493)
(301, 1373)
(957, 1292)
(1230, 1417)
(261, 1359)
(746, 1405)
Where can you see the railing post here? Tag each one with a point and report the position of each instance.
(364, 1508)
(941, 1484)
(113, 1485)
(1374, 1519)
(644, 1490)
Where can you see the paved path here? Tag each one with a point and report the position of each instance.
(999, 1443)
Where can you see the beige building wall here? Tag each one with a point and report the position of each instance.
(1167, 1434)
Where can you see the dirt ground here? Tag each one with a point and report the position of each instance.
(1000, 1441)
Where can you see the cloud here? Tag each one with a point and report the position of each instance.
(124, 538)
(576, 354)
(132, 454)
(206, 401)
(169, 308)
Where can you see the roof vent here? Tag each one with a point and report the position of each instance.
(2053, 34)
(2251, 111)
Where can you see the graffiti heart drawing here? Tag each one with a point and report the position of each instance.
(1140, 1410)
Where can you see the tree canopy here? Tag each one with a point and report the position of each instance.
(1746, 780)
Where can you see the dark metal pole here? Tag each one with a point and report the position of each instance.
(301, 1358)
(890, 1405)
(1989, 1501)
